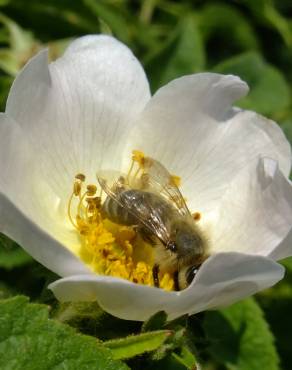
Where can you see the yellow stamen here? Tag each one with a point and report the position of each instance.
(175, 180)
(109, 248)
(69, 210)
(167, 282)
(80, 177)
(76, 188)
(138, 156)
(197, 216)
(91, 190)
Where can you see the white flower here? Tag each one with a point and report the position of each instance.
(86, 112)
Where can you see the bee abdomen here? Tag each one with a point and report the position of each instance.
(117, 213)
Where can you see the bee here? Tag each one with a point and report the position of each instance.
(154, 205)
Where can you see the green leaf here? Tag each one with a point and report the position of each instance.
(277, 303)
(20, 40)
(155, 322)
(266, 12)
(170, 362)
(5, 83)
(176, 341)
(186, 358)
(11, 255)
(29, 340)
(8, 62)
(111, 17)
(287, 128)
(22, 46)
(4, 2)
(182, 54)
(269, 92)
(6, 291)
(226, 25)
(137, 344)
(240, 337)
(74, 312)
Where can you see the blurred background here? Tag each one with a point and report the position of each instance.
(249, 38)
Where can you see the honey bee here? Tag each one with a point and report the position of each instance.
(154, 205)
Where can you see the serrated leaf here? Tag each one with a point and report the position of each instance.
(240, 337)
(269, 91)
(11, 255)
(137, 344)
(29, 340)
(182, 54)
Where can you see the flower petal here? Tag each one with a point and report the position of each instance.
(27, 190)
(255, 214)
(221, 280)
(78, 111)
(228, 277)
(190, 127)
(284, 249)
(37, 242)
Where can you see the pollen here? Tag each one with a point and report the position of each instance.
(109, 248)
(197, 216)
(175, 180)
(138, 156)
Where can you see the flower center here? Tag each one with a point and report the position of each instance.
(109, 248)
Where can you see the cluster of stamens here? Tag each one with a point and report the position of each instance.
(109, 248)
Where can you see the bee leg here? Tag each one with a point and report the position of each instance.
(155, 272)
(176, 283)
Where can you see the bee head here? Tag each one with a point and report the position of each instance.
(188, 239)
(190, 251)
(186, 275)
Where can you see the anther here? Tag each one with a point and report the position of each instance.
(77, 188)
(80, 177)
(97, 201)
(197, 216)
(91, 190)
(175, 180)
(138, 156)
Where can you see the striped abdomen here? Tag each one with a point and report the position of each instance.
(142, 204)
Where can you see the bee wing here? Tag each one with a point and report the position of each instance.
(157, 178)
(145, 213)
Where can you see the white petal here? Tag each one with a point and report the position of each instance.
(255, 214)
(37, 242)
(190, 127)
(284, 249)
(22, 184)
(77, 113)
(221, 280)
(228, 277)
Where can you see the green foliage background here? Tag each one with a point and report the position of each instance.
(252, 39)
